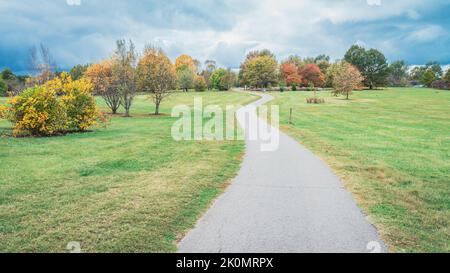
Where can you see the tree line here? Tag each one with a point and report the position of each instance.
(260, 69)
(119, 78)
(51, 102)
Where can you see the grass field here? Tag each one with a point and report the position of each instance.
(392, 149)
(125, 188)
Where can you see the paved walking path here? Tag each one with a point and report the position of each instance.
(283, 201)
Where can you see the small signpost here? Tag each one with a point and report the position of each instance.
(290, 117)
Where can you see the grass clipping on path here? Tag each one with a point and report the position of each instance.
(126, 188)
(392, 150)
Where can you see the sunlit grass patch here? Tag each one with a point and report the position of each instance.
(392, 150)
(125, 188)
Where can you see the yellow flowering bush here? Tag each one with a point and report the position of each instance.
(3, 111)
(58, 106)
(36, 111)
(77, 100)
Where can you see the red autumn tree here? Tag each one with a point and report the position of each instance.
(311, 74)
(290, 74)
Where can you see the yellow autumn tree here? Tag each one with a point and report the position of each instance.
(156, 75)
(186, 61)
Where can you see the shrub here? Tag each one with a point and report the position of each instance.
(200, 83)
(3, 111)
(282, 88)
(56, 107)
(77, 101)
(81, 109)
(36, 111)
(315, 100)
(440, 84)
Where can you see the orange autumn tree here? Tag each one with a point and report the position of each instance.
(102, 77)
(312, 75)
(346, 78)
(290, 74)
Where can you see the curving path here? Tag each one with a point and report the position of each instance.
(285, 201)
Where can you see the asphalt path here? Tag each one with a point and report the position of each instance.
(284, 200)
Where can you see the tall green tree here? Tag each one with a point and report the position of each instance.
(260, 69)
(398, 73)
(371, 63)
(436, 68)
(416, 73)
(14, 83)
(221, 79)
(428, 78)
(7, 74)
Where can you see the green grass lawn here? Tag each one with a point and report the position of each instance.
(392, 150)
(125, 188)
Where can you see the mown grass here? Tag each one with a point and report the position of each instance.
(392, 150)
(125, 188)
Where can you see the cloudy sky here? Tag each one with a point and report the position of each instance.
(83, 31)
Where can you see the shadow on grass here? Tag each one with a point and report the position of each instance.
(8, 133)
(139, 115)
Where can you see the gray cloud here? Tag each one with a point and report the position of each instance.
(224, 30)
